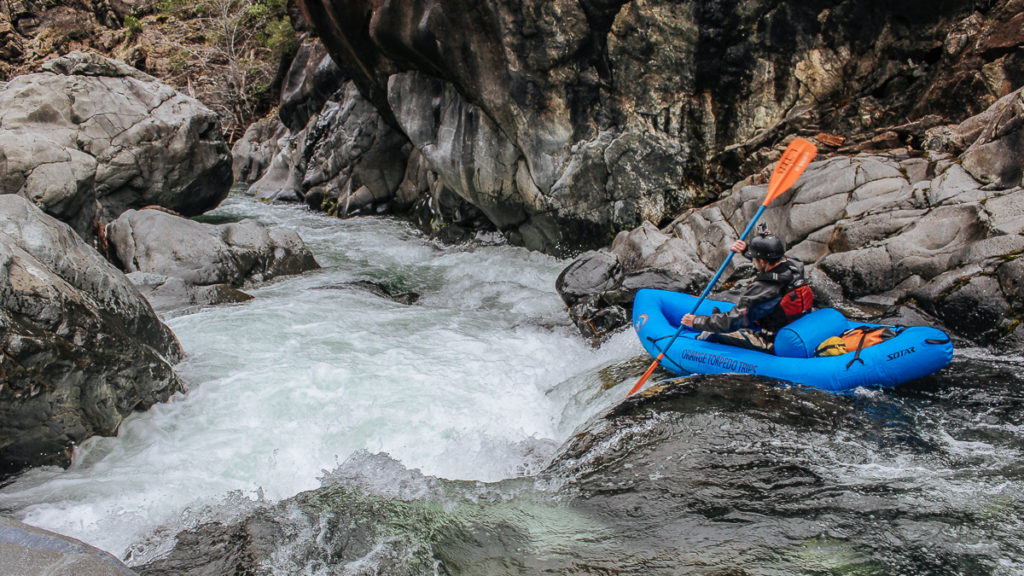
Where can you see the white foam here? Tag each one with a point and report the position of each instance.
(314, 369)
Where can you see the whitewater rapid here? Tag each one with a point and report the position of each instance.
(482, 378)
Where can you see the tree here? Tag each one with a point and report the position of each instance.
(228, 54)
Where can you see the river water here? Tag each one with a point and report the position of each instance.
(483, 379)
(315, 367)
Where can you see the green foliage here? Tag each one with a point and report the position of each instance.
(258, 11)
(266, 20)
(179, 59)
(133, 25)
(274, 32)
(279, 37)
(179, 8)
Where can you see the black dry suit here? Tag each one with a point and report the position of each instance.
(760, 305)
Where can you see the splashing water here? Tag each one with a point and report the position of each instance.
(470, 382)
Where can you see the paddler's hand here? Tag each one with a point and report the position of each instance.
(738, 246)
(688, 320)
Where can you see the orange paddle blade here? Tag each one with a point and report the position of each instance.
(797, 156)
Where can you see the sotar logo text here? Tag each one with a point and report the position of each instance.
(901, 353)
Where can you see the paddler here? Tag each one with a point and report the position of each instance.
(778, 295)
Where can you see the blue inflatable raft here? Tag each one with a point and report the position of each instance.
(915, 352)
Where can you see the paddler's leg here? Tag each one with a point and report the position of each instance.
(747, 339)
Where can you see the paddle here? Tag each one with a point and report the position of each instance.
(794, 160)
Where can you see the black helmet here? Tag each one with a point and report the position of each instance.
(765, 246)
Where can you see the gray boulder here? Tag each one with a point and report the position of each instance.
(88, 137)
(255, 150)
(354, 160)
(80, 348)
(281, 179)
(331, 148)
(994, 156)
(178, 262)
(29, 551)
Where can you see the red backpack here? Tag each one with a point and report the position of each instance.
(792, 306)
(797, 302)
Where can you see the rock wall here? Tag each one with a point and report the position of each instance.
(565, 122)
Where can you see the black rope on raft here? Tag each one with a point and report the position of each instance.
(666, 358)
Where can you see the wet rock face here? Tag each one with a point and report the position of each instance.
(312, 78)
(87, 138)
(328, 146)
(254, 152)
(81, 348)
(567, 122)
